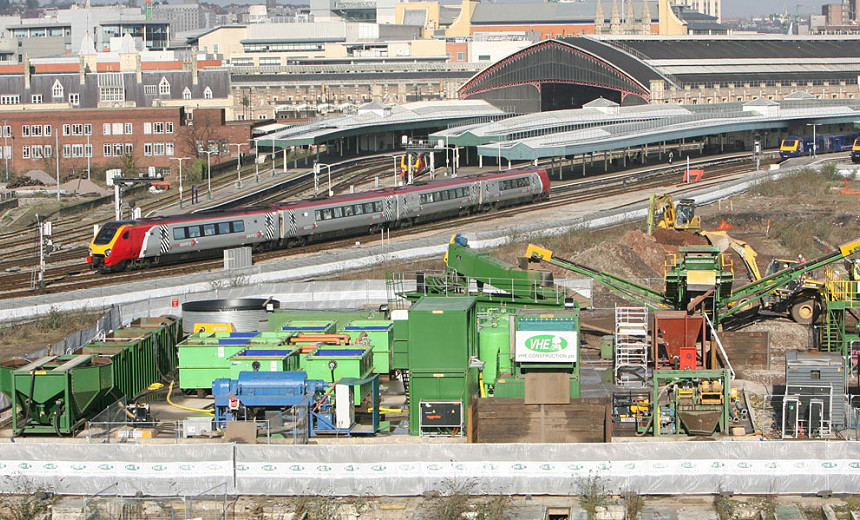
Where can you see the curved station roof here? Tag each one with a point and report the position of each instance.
(567, 73)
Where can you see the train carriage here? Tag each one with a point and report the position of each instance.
(137, 243)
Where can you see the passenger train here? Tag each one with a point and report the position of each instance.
(131, 244)
(855, 151)
(794, 146)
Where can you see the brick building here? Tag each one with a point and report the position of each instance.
(129, 138)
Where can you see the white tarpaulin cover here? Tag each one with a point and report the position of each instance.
(752, 467)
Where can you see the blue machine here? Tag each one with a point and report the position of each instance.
(254, 393)
(236, 399)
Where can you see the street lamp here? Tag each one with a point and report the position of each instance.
(88, 151)
(6, 132)
(238, 162)
(317, 166)
(814, 141)
(209, 169)
(180, 159)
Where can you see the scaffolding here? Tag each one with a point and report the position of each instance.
(631, 345)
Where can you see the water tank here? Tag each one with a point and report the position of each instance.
(494, 338)
(246, 314)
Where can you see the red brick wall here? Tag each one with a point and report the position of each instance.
(149, 135)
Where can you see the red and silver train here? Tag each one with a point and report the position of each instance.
(130, 244)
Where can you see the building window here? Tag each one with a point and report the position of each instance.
(168, 149)
(150, 90)
(207, 93)
(129, 148)
(77, 129)
(25, 131)
(36, 98)
(57, 90)
(128, 128)
(158, 128)
(163, 87)
(168, 127)
(186, 94)
(47, 129)
(10, 99)
(67, 129)
(8, 131)
(147, 127)
(461, 56)
(117, 128)
(484, 57)
(37, 152)
(77, 150)
(89, 150)
(67, 151)
(88, 129)
(158, 149)
(117, 149)
(74, 99)
(147, 149)
(36, 130)
(25, 152)
(111, 94)
(107, 150)
(106, 128)
(49, 151)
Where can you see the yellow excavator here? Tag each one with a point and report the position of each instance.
(665, 214)
(800, 299)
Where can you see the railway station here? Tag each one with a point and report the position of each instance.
(568, 277)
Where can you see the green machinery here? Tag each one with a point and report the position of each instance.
(541, 359)
(686, 402)
(206, 356)
(264, 360)
(55, 394)
(436, 340)
(379, 335)
(331, 363)
(836, 334)
(698, 276)
(471, 273)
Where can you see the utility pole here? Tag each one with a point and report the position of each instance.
(238, 163)
(6, 131)
(180, 159)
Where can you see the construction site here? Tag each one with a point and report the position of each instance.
(549, 377)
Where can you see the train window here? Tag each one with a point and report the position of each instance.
(238, 226)
(194, 231)
(326, 214)
(223, 228)
(348, 211)
(377, 206)
(125, 235)
(368, 207)
(179, 233)
(359, 209)
(337, 212)
(106, 233)
(209, 229)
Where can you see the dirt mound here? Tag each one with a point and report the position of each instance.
(670, 237)
(616, 259)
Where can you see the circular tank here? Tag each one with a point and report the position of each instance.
(494, 338)
(245, 314)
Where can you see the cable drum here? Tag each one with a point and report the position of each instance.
(246, 314)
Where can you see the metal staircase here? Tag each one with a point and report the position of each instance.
(631, 345)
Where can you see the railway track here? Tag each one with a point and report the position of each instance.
(78, 275)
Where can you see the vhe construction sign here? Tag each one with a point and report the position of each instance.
(549, 346)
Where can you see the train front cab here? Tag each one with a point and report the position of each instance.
(791, 147)
(109, 248)
(855, 151)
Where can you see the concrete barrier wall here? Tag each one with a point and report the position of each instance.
(740, 467)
